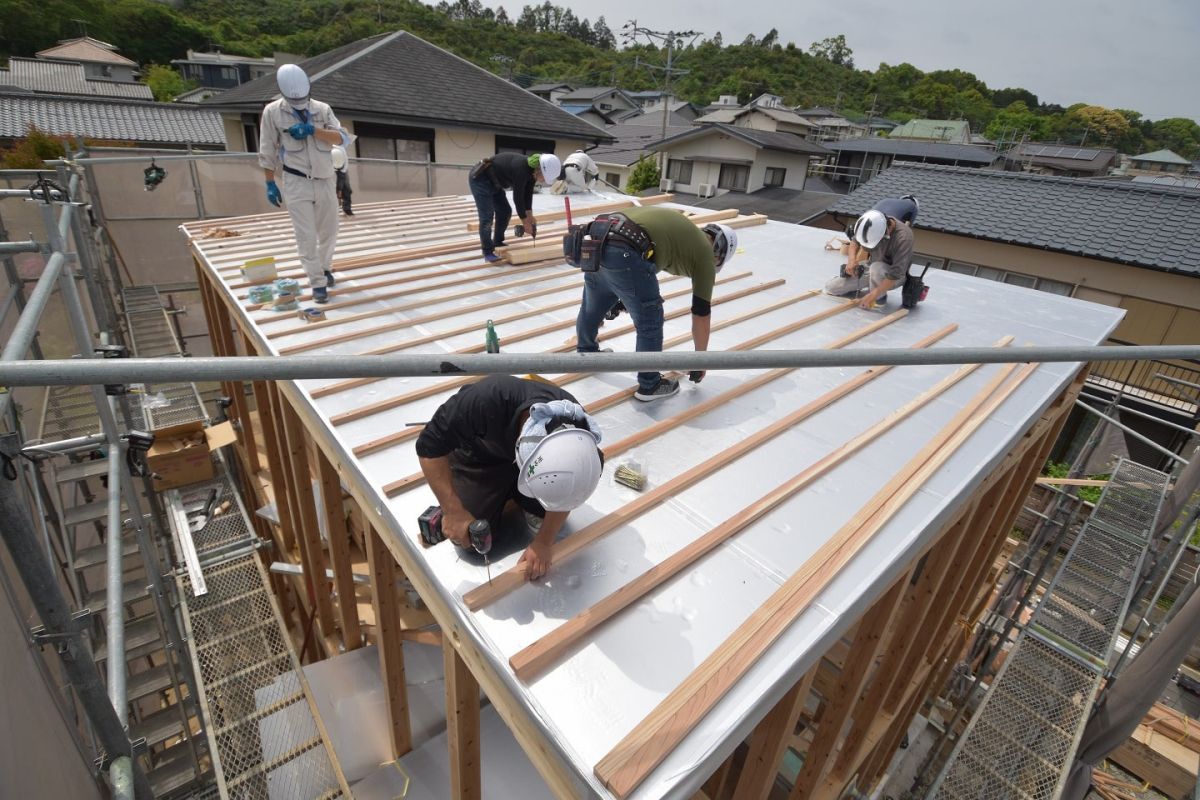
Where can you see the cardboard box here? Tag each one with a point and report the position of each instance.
(259, 270)
(182, 454)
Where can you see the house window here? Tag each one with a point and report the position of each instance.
(960, 267)
(1055, 287)
(1017, 279)
(250, 132)
(734, 177)
(928, 261)
(606, 106)
(612, 179)
(518, 144)
(393, 142)
(679, 171)
(775, 176)
(990, 273)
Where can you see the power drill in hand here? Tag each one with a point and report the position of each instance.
(430, 523)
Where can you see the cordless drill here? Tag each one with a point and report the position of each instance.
(479, 531)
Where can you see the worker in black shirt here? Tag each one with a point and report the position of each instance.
(489, 180)
(509, 439)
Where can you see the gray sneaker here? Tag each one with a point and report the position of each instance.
(666, 387)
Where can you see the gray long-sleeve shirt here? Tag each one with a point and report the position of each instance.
(277, 148)
(896, 251)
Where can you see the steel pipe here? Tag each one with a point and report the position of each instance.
(114, 611)
(27, 324)
(1131, 432)
(30, 246)
(243, 368)
(25, 193)
(120, 778)
(1143, 415)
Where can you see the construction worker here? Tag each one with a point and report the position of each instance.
(488, 181)
(579, 174)
(901, 210)
(467, 454)
(297, 137)
(636, 244)
(342, 176)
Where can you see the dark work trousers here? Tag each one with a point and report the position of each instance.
(485, 488)
(343, 189)
(494, 210)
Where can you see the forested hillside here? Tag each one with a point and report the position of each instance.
(547, 43)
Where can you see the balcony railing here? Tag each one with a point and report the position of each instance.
(1165, 383)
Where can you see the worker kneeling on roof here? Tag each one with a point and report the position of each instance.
(488, 181)
(507, 439)
(621, 256)
(883, 237)
(579, 174)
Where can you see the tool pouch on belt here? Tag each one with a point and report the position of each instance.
(583, 244)
(914, 289)
(483, 166)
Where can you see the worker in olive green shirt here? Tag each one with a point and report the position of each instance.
(637, 244)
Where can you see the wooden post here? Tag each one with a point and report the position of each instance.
(281, 474)
(388, 642)
(462, 726)
(770, 740)
(339, 552)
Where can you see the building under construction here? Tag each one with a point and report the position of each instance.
(842, 576)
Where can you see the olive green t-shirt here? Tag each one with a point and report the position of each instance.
(680, 247)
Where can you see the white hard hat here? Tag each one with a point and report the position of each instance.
(339, 157)
(870, 229)
(724, 242)
(549, 166)
(562, 471)
(293, 83)
(916, 203)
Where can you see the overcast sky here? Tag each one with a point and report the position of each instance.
(1117, 53)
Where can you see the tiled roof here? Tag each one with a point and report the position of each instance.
(632, 142)
(86, 49)
(722, 115)
(199, 57)
(587, 93)
(936, 129)
(402, 78)
(109, 119)
(1144, 226)
(1064, 157)
(1162, 157)
(548, 87)
(67, 77)
(768, 140)
(943, 151)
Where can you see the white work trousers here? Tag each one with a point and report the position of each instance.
(312, 204)
(874, 273)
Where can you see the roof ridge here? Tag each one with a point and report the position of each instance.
(383, 39)
(1025, 176)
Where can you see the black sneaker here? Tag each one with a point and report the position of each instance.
(320, 295)
(330, 281)
(666, 387)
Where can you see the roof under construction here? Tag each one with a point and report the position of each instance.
(410, 278)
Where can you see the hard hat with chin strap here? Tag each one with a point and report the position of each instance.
(562, 471)
(870, 229)
(724, 243)
(293, 84)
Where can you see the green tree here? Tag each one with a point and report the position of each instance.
(1003, 98)
(1178, 134)
(30, 153)
(934, 98)
(1016, 121)
(165, 82)
(644, 175)
(1084, 124)
(834, 50)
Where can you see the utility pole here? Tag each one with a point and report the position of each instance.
(630, 33)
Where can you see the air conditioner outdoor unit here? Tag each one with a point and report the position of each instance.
(666, 185)
(706, 190)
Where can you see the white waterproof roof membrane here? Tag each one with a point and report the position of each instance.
(599, 691)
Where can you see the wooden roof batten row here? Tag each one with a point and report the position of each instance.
(402, 261)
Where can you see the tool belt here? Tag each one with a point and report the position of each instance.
(584, 244)
(914, 289)
(297, 173)
(484, 167)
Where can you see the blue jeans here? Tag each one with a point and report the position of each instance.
(492, 205)
(624, 276)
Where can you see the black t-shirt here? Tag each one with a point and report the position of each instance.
(482, 421)
(512, 171)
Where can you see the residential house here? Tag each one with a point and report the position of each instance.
(875, 126)
(830, 125)
(714, 158)
(1132, 249)
(551, 92)
(1157, 163)
(763, 118)
(856, 161)
(953, 131)
(608, 100)
(681, 109)
(99, 59)
(724, 102)
(654, 118)
(1063, 160)
(633, 140)
(112, 119)
(222, 70)
(406, 99)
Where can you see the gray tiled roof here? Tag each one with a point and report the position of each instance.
(67, 77)
(943, 151)
(399, 77)
(769, 140)
(1145, 226)
(1064, 157)
(633, 141)
(109, 119)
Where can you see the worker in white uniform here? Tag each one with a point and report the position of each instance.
(297, 138)
(579, 174)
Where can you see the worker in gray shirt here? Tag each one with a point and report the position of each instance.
(297, 138)
(886, 242)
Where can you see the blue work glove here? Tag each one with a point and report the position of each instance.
(301, 130)
(274, 197)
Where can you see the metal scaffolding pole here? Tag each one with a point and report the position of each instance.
(59, 626)
(114, 611)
